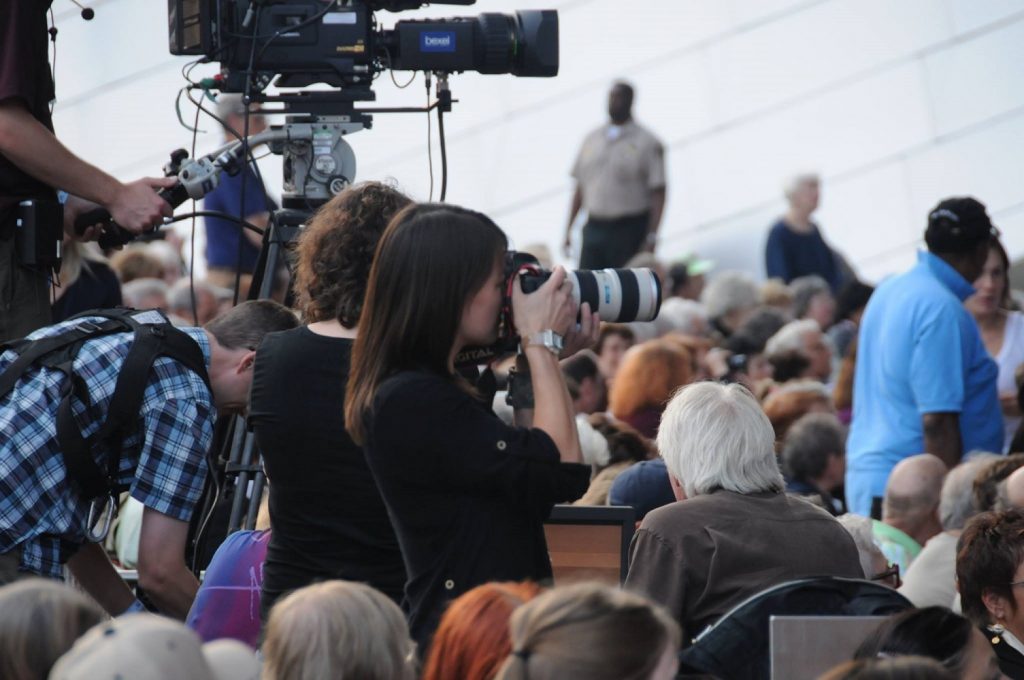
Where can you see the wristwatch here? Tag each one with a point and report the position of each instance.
(547, 338)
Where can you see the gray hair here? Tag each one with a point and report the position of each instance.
(862, 531)
(804, 289)
(793, 183)
(956, 502)
(790, 338)
(682, 316)
(718, 437)
(727, 292)
(809, 443)
(179, 295)
(136, 290)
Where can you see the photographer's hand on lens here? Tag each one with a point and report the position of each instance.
(584, 334)
(550, 307)
(137, 207)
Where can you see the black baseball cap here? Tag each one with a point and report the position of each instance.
(958, 225)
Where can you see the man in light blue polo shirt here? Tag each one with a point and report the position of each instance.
(924, 381)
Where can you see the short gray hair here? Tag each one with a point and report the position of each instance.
(790, 338)
(717, 437)
(136, 290)
(804, 289)
(956, 502)
(794, 182)
(861, 529)
(179, 295)
(680, 315)
(809, 443)
(727, 292)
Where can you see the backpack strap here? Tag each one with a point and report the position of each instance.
(151, 340)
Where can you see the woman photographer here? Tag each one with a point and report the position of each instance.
(327, 516)
(466, 493)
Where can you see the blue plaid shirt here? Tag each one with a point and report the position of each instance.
(40, 512)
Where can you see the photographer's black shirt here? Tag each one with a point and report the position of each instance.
(24, 77)
(327, 517)
(467, 494)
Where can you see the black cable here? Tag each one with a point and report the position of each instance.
(218, 214)
(444, 152)
(53, 62)
(245, 149)
(192, 240)
(430, 141)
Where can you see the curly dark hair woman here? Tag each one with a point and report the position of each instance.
(336, 249)
(328, 517)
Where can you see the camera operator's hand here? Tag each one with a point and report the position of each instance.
(74, 207)
(583, 335)
(136, 205)
(549, 307)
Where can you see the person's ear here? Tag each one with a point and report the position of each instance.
(677, 487)
(996, 604)
(246, 362)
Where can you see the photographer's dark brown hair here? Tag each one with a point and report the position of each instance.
(429, 262)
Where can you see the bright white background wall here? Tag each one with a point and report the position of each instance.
(897, 103)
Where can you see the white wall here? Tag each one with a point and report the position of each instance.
(897, 103)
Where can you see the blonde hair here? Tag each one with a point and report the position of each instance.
(40, 621)
(337, 629)
(590, 631)
(75, 257)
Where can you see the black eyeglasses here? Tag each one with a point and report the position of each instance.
(891, 576)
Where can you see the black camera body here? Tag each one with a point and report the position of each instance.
(304, 42)
(617, 295)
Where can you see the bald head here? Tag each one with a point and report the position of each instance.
(1015, 488)
(913, 490)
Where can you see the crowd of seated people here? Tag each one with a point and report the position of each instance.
(406, 520)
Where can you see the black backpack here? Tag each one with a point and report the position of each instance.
(154, 336)
(737, 645)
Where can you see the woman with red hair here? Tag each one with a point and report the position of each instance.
(473, 638)
(649, 376)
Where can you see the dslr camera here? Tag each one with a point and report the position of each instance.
(617, 295)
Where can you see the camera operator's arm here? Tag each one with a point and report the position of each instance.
(33, 148)
(550, 307)
(574, 210)
(163, 573)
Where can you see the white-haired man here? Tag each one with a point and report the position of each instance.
(804, 337)
(733, 532)
(795, 246)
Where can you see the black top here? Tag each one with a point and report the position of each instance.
(97, 287)
(467, 493)
(327, 518)
(24, 77)
(1011, 662)
(790, 254)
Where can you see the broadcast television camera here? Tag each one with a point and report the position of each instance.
(337, 42)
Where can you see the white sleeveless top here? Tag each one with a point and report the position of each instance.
(1009, 358)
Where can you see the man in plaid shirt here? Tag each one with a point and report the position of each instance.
(43, 517)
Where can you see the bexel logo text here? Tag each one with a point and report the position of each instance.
(437, 42)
